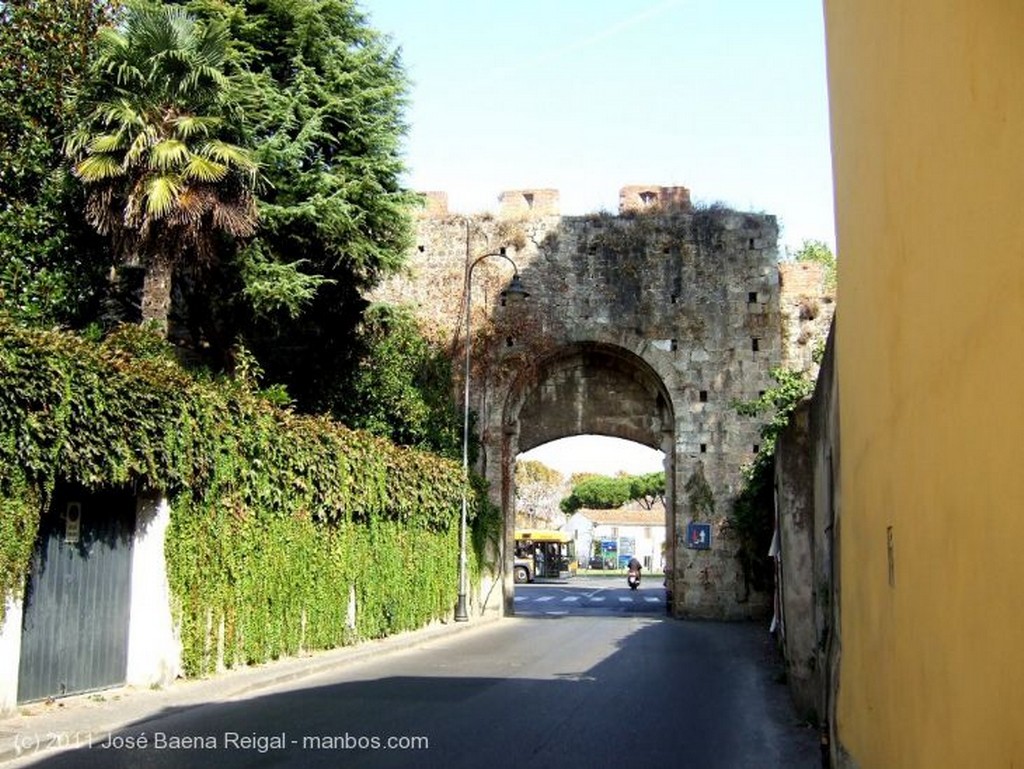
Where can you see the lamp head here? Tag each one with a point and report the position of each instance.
(515, 292)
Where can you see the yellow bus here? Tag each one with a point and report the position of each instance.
(543, 553)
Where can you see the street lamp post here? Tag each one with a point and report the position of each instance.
(515, 291)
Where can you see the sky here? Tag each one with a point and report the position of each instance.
(725, 97)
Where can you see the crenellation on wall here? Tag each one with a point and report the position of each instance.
(527, 204)
(637, 198)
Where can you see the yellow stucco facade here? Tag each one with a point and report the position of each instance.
(927, 110)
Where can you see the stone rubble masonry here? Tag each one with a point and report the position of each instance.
(647, 325)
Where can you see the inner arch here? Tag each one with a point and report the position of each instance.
(596, 389)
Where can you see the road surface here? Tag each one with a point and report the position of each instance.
(606, 687)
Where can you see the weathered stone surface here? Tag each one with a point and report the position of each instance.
(630, 318)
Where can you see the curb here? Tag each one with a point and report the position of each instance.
(39, 729)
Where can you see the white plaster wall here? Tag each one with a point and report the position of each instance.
(154, 651)
(10, 655)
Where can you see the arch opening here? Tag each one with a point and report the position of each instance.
(597, 393)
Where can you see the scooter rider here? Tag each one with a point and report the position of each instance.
(634, 570)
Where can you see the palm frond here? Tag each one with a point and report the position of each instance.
(106, 143)
(140, 144)
(168, 153)
(161, 195)
(193, 202)
(229, 154)
(118, 113)
(236, 217)
(204, 170)
(96, 168)
(188, 126)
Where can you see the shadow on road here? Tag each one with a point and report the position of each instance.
(664, 693)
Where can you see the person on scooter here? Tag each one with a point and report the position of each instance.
(634, 572)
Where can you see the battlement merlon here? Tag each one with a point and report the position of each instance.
(538, 203)
(637, 198)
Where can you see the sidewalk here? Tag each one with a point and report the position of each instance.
(39, 727)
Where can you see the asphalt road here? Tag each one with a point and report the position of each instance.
(615, 689)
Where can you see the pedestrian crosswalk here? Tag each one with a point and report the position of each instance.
(591, 599)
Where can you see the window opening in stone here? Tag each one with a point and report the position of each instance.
(674, 344)
(755, 344)
(703, 396)
(752, 297)
(703, 448)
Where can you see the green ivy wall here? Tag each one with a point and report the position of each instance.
(276, 519)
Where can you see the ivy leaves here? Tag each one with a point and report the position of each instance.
(124, 412)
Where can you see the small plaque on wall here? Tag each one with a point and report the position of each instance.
(698, 536)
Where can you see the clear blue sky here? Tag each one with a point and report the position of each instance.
(726, 97)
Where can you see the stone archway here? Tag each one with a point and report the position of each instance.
(647, 325)
(591, 388)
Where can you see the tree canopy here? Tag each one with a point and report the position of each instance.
(602, 492)
(539, 489)
(307, 89)
(52, 264)
(163, 179)
(325, 95)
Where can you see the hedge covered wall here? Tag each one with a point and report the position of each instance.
(276, 518)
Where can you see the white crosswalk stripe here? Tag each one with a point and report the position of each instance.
(652, 599)
(625, 599)
(545, 598)
(571, 598)
(597, 598)
(521, 598)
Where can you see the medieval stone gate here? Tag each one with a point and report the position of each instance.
(645, 325)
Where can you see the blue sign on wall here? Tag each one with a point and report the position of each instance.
(698, 536)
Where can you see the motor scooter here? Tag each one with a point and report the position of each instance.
(633, 579)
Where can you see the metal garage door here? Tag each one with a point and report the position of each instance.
(75, 627)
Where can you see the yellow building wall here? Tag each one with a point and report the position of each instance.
(927, 108)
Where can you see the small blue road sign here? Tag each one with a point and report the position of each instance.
(698, 536)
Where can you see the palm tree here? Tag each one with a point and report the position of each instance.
(163, 179)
